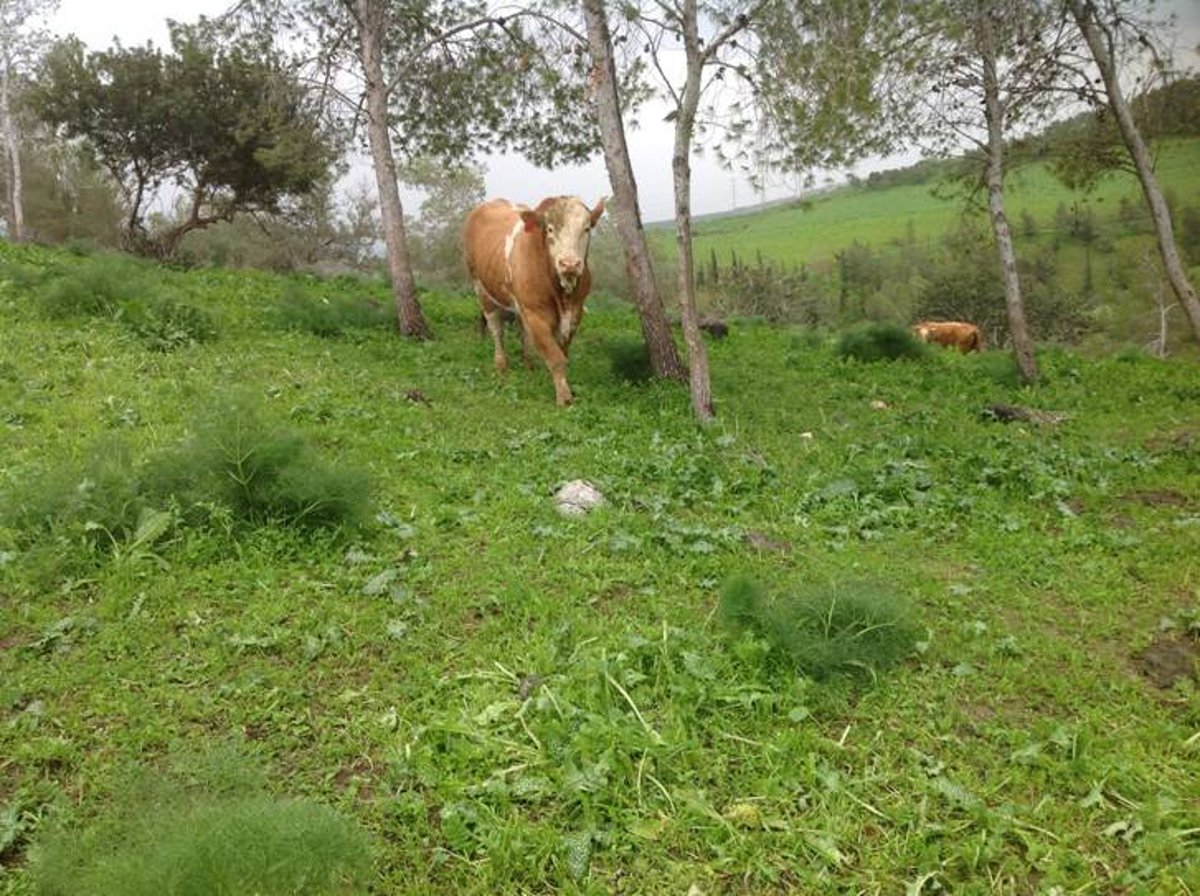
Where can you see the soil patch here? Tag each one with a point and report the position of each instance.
(760, 541)
(1168, 659)
(1159, 498)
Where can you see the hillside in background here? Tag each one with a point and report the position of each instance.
(813, 231)
(912, 243)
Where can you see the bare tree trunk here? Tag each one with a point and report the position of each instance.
(1018, 328)
(1162, 307)
(1100, 44)
(408, 309)
(656, 329)
(681, 166)
(12, 150)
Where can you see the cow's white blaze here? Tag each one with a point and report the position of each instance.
(568, 231)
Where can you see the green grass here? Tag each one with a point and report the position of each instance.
(509, 701)
(813, 233)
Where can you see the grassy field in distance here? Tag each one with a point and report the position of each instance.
(813, 233)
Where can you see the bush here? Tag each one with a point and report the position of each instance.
(163, 837)
(262, 473)
(252, 473)
(880, 342)
(629, 360)
(846, 630)
(97, 287)
(97, 501)
(774, 294)
(165, 324)
(327, 317)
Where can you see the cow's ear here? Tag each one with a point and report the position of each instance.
(531, 219)
(598, 211)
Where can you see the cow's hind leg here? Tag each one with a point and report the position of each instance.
(493, 314)
(495, 324)
(526, 354)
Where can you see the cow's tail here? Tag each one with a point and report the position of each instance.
(976, 344)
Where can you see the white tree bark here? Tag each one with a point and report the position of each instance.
(1100, 44)
(681, 167)
(368, 15)
(994, 114)
(12, 153)
(656, 329)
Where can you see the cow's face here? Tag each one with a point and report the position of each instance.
(568, 225)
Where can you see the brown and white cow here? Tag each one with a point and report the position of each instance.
(533, 261)
(951, 333)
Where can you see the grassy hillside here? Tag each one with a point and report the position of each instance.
(243, 526)
(813, 233)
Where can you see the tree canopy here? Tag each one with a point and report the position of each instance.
(219, 117)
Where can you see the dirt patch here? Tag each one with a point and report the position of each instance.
(611, 597)
(358, 774)
(1169, 659)
(1183, 442)
(1159, 498)
(760, 541)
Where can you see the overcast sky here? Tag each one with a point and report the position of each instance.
(714, 189)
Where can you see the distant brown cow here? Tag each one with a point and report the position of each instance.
(951, 333)
(533, 262)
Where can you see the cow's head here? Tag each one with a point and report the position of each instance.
(568, 224)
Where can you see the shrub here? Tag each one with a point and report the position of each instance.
(252, 473)
(165, 324)
(96, 501)
(777, 295)
(262, 473)
(162, 837)
(95, 288)
(629, 360)
(849, 629)
(880, 342)
(327, 317)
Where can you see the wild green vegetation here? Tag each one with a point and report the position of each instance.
(489, 697)
(899, 247)
(881, 213)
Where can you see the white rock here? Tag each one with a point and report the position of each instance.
(577, 497)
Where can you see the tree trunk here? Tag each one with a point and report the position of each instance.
(994, 114)
(681, 166)
(656, 329)
(1084, 13)
(12, 149)
(370, 35)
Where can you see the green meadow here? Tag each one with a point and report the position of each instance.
(286, 605)
(813, 231)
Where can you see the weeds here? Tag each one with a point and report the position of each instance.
(198, 836)
(95, 287)
(880, 342)
(236, 468)
(165, 324)
(825, 631)
(327, 316)
(510, 701)
(262, 473)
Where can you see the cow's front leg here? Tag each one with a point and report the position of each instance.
(556, 360)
